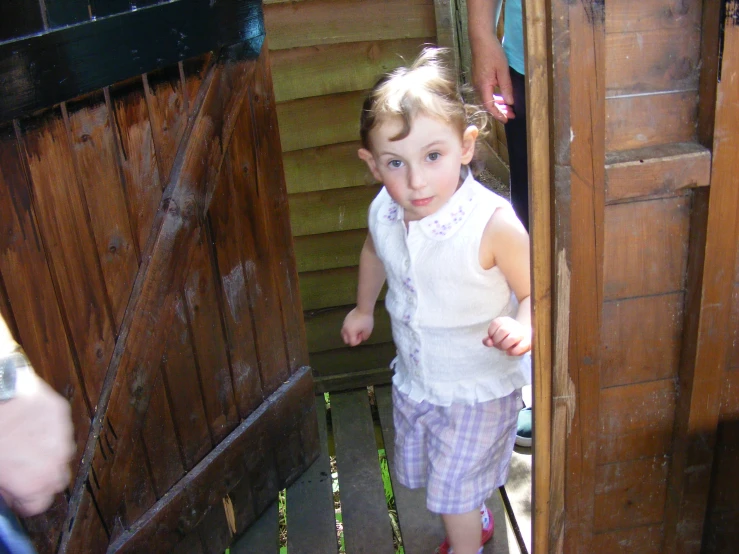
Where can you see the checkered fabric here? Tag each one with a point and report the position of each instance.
(460, 453)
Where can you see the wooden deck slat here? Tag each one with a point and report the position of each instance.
(310, 502)
(365, 516)
(262, 537)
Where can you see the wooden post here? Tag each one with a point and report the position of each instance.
(538, 125)
(715, 233)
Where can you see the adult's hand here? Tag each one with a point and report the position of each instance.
(36, 445)
(489, 63)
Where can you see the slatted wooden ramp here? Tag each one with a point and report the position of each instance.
(356, 436)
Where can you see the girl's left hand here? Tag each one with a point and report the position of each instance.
(508, 335)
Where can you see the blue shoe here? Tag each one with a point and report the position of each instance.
(523, 430)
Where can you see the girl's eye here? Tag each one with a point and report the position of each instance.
(395, 163)
(433, 156)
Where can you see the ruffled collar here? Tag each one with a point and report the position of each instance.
(446, 220)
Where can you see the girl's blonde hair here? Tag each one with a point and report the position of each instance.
(427, 87)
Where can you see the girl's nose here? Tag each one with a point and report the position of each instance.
(416, 180)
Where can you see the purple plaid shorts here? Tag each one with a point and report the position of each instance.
(460, 453)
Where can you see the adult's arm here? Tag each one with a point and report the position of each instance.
(489, 63)
(36, 440)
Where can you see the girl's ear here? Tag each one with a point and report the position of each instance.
(469, 137)
(369, 159)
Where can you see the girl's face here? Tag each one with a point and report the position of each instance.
(421, 171)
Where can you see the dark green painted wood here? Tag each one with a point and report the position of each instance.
(19, 18)
(322, 328)
(60, 13)
(364, 511)
(310, 502)
(354, 380)
(358, 358)
(55, 66)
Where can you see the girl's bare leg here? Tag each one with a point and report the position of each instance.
(463, 531)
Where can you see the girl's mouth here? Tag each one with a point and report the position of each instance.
(422, 202)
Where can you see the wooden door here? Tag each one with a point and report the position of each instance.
(147, 267)
(645, 242)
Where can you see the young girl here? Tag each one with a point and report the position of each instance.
(456, 260)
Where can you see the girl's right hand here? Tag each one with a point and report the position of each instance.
(357, 327)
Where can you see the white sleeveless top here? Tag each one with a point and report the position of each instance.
(441, 301)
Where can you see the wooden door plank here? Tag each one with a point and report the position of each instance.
(270, 171)
(636, 540)
(189, 545)
(141, 179)
(656, 170)
(250, 452)
(626, 16)
(363, 508)
(422, 530)
(325, 167)
(63, 222)
(711, 276)
(183, 386)
(330, 211)
(320, 70)
(36, 310)
(335, 21)
(104, 8)
(587, 159)
(139, 349)
(209, 343)
(96, 164)
(310, 501)
(215, 533)
(262, 536)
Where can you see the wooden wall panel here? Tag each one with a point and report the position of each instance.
(338, 21)
(646, 247)
(625, 16)
(320, 120)
(326, 167)
(647, 351)
(636, 122)
(637, 540)
(313, 213)
(321, 325)
(342, 67)
(329, 250)
(346, 360)
(636, 421)
(653, 60)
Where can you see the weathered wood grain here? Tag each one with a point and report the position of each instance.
(645, 250)
(648, 350)
(209, 343)
(734, 351)
(338, 21)
(325, 167)
(258, 437)
(183, 385)
(320, 120)
(97, 168)
(656, 170)
(310, 502)
(653, 60)
(64, 223)
(710, 286)
(323, 328)
(329, 288)
(639, 540)
(329, 250)
(128, 386)
(363, 508)
(270, 171)
(630, 494)
(141, 179)
(625, 16)
(641, 121)
(215, 534)
(636, 421)
(587, 158)
(36, 310)
(139, 493)
(329, 211)
(334, 68)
